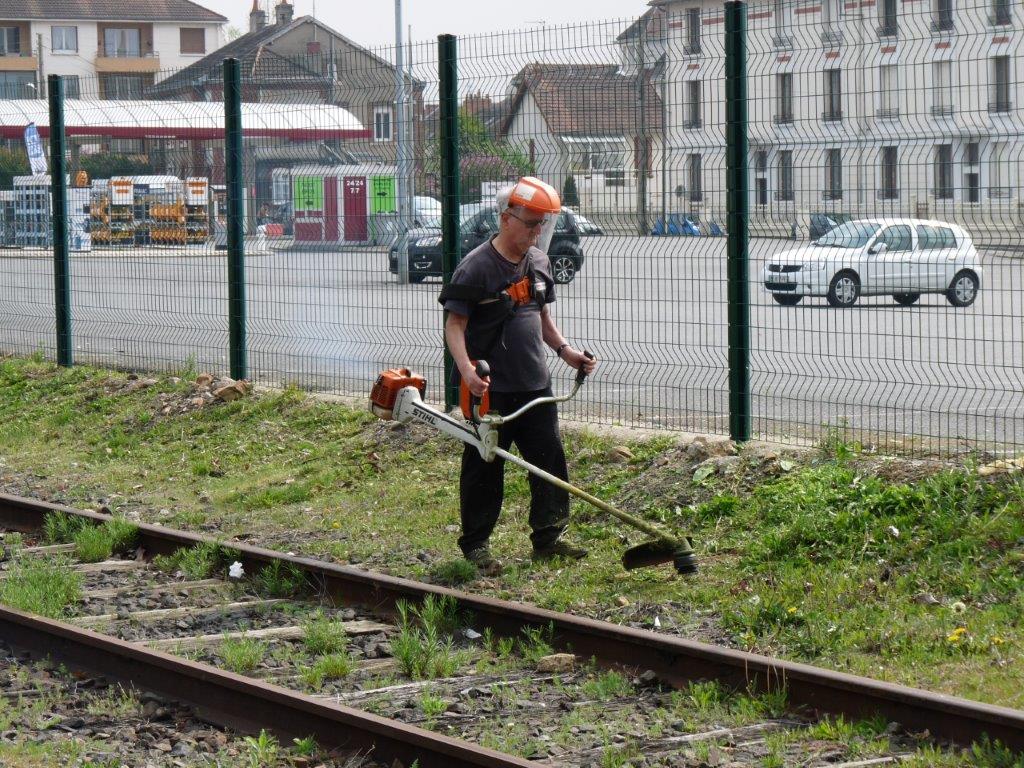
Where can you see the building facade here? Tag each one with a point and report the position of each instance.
(901, 107)
(102, 49)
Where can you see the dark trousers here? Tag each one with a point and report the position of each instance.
(482, 484)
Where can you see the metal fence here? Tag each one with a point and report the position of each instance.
(888, 129)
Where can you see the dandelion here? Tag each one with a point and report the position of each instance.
(791, 610)
(335, 524)
(755, 600)
(997, 640)
(958, 607)
(956, 635)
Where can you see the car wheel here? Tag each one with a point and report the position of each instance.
(563, 268)
(963, 290)
(844, 290)
(906, 299)
(786, 299)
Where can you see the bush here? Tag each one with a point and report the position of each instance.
(570, 195)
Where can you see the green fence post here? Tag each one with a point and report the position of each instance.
(59, 218)
(448, 71)
(738, 209)
(236, 218)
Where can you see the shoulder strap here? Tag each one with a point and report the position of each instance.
(473, 294)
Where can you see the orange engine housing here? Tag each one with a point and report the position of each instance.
(389, 384)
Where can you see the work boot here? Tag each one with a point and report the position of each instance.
(559, 549)
(485, 563)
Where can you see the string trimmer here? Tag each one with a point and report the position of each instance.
(398, 395)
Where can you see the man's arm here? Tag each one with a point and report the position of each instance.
(554, 339)
(455, 338)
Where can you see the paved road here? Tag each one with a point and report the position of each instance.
(653, 309)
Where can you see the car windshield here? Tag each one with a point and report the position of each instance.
(853, 234)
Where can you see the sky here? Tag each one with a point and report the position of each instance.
(371, 23)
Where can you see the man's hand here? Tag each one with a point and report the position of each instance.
(576, 359)
(476, 385)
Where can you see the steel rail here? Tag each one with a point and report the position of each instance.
(675, 660)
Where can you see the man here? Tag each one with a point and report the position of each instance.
(497, 305)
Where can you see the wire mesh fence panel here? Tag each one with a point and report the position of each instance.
(326, 176)
(586, 108)
(884, 194)
(885, 143)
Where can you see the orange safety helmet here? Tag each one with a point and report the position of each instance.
(536, 195)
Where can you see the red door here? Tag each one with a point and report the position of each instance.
(331, 209)
(355, 209)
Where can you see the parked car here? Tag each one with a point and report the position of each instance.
(478, 225)
(869, 257)
(822, 223)
(426, 211)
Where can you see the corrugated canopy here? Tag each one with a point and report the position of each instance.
(181, 119)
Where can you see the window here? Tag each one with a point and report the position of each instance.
(942, 15)
(930, 238)
(122, 42)
(998, 178)
(193, 40)
(780, 19)
(833, 95)
(942, 93)
(971, 153)
(888, 26)
(382, 123)
(1001, 13)
(123, 86)
(784, 94)
(944, 172)
(72, 87)
(761, 162)
(64, 39)
(10, 41)
(1000, 95)
(888, 94)
(692, 31)
(693, 164)
(785, 180)
(14, 85)
(897, 238)
(833, 174)
(596, 154)
(693, 104)
(890, 174)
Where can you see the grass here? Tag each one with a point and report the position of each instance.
(333, 666)
(423, 647)
(830, 563)
(94, 543)
(324, 636)
(242, 655)
(45, 587)
(199, 562)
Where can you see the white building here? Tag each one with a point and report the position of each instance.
(868, 107)
(103, 49)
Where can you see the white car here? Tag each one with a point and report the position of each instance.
(902, 258)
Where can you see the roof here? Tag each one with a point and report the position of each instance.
(115, 10)
(251, 49)
(180, 120)
(586, 100)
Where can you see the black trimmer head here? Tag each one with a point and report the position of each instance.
(661, 551)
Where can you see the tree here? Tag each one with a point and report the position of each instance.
(570, 195)
(105, 166)
(13, 162)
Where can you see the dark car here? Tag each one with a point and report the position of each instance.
(823, 223)
(477, 226)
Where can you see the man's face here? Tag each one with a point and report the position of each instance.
(522, 226)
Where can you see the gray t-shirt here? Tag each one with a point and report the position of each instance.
(517, 358)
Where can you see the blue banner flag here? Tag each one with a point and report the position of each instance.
(34, 147)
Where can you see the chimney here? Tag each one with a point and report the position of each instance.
(284, 13)
(257, 17)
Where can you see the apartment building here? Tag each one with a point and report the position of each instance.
(903, 107)
(103, 48)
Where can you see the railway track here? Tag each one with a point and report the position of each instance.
(404, 671)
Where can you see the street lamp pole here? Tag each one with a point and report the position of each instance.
(402, 170)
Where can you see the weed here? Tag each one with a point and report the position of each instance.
(706, 698)
(334, 666)
(198, 562)
(421, 651)
(44, 587)
(453, 572)
(277, 580)
(242, 655)
(261, 751)
(92, 544)
(323, 635)
(116, 703)
(608, 685)
(440, 613)
(61, 528)
(432, 706)
(993, 754)
(306, 747)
